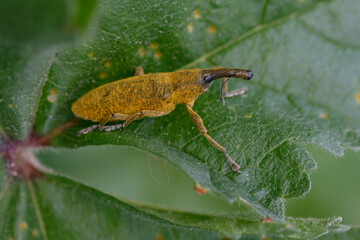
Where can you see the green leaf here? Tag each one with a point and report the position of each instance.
(240, 224)
(18, 216)
(353, 233)
(293, 99)
(68, 210)
(55, 206)
(30, 35)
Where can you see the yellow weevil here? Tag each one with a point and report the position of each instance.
(154, 95)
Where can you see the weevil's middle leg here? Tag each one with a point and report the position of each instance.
(117, 126)
(225, 93)
(201, 127)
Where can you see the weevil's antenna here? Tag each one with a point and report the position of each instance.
(222, 91)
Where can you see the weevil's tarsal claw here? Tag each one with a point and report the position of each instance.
(225, 93)
(87, 130)
(239, 91)
(233, 164)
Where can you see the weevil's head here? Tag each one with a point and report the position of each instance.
(209, 75)
(187, 85)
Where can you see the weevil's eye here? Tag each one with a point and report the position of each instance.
(208, 78)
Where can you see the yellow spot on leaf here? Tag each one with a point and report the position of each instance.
(212, 29)
(141, 51)
(357, 97)
(12, 105)
(248, 116)
(35, 233)
(197, 14)
(157, 54)
(90, 54)
(23, 226)
(159, 236)
(267, 220)
(324, 116)
(199, 190)
(103, 75)
(190, 27)
(108, 64)
(154, 45)
(103, 60)
(53, 91)
(231, 108)
(52, 96)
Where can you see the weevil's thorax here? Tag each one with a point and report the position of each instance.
(187, 85)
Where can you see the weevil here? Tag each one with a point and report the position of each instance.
(154, 95)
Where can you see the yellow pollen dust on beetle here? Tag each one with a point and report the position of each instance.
(154, 95)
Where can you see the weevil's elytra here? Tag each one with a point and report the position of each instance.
(154, 95)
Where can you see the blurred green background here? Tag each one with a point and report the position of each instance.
(137, 175)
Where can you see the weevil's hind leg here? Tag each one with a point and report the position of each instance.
(139, 71)
(87, 130)
(225, 93)
(202, 129)
(117, 126)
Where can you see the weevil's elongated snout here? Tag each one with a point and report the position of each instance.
(210, 75)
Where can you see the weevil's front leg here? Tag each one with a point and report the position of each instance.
(117, 126)
(139, 71)
(200, 126)
(225, 93)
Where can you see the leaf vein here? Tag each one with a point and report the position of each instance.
(263, 11)
(5, 188)
(37, 210)
(172, 234)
